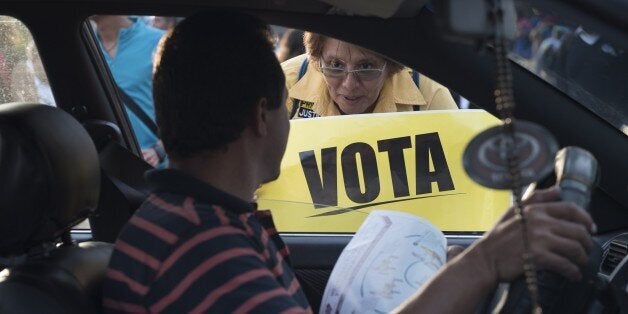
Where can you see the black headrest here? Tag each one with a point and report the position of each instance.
(49, 175)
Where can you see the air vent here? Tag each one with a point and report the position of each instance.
(617, 250)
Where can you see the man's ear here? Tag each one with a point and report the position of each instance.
(259, 123)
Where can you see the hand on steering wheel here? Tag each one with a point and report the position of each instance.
(558, 233)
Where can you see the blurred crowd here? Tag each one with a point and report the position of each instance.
(580, 62)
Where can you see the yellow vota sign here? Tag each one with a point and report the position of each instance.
(338, 169)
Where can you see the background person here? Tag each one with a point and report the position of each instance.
(129, 45)
(290, 45)
(319, 82)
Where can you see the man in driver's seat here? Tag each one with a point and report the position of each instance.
(198, 244)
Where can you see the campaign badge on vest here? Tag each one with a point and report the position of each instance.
(305, 110)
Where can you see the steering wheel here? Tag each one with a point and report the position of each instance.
(555, 293)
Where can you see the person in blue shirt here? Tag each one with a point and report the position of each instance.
(129, 45)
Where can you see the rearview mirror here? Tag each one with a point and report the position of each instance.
(471, 19)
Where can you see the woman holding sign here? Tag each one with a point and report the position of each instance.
(335, 77)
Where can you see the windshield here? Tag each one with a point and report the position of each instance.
(579, 61)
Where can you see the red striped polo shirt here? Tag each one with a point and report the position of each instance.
(191, 248)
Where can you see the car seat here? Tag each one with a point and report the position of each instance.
(49, 182)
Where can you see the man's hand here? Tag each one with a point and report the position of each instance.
(559, 238)
(154, 155)
(558, 235)
(150, 156)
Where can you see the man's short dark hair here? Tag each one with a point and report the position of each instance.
(213, 69)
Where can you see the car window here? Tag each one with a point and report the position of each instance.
(22, 75)
(579, 61)
(338, 168)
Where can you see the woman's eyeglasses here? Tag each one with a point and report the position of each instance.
(363, 74)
